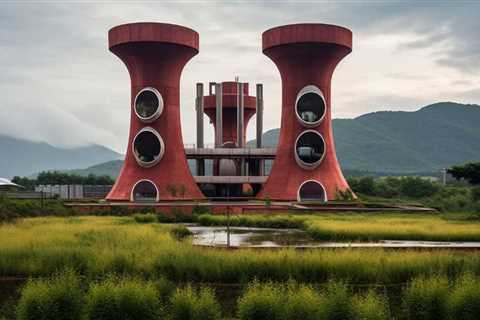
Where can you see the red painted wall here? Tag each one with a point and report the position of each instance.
(305, 54)
(155, 55)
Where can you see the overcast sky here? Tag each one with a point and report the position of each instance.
(60, 84)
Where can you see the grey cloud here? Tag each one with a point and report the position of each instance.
(56, 69)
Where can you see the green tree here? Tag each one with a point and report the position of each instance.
(469, 171)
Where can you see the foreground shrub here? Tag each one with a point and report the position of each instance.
(261, 301)
(426, 298)
(464, 302)
(145, 218)
(123, 299)
(60, 299)
(302, 303)
(187, 304)
(370, 306)
(337, 302)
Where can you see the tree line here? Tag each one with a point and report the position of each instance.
(61, 178)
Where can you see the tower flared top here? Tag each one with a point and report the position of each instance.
(307, 33)
(153, 32)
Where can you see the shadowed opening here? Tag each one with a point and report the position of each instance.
(311, 191)
(310, 106)
(145, 191)
(148, 104)
(148, 147)
(309, 148)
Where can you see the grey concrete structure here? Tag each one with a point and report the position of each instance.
(224, 153)
(231, 179)
(219, 124)
(200, 129)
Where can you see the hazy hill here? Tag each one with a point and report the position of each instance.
(23, 157)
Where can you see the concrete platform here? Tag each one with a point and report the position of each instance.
(230, 179)
(226, 153)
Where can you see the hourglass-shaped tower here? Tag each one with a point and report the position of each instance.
(306, 166)
(155, 165)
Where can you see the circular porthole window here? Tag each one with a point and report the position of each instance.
(312, 190)
(148, 104)
(309, 149)
(145, 191)
(310, 106)
(148, 147)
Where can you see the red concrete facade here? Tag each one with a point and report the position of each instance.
(155, 55)
(229, 110)
(305, 55)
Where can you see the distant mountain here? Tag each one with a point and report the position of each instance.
(434, 137)
(23, 158)
(423, 141)
(109, 168)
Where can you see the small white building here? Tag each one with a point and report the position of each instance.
(6, 184)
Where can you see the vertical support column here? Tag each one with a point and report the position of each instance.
(200, 131)
(240, 123)
(259, 125)
(219, 120)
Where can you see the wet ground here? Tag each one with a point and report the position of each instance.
(242, 237)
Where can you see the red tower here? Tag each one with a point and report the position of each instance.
(306, 165)
(155, 164)
(230, 103)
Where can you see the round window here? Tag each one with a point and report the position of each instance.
(148, 147)
(148, 104)
(309, 149)
(145, 191)
(310, 106)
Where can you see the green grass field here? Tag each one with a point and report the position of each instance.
(95, 246)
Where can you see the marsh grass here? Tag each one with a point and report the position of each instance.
(259, 221)
(190, 304)
(464, 301)
(426, 298)
(293, 301)
(60, 298)
(364, 226)
(96, 246)
(117, 298)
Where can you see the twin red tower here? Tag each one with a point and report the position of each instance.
(157, 168)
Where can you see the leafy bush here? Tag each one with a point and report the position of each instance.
(426, 298)
(337, 302)
(464, 301)
(180, 232)
(123, 299)
(187, 304)
(261, 301)
(145, 218)
(60, 298)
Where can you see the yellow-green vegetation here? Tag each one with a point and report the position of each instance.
(96, 246)
(365, 226)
